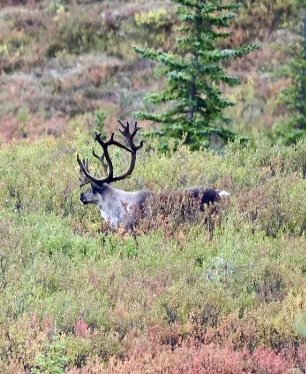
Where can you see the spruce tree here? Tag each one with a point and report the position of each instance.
(295, 96)
(192, 96)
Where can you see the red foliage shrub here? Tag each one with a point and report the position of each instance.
(81, 328)
(267, 361)
(191, 358)
(209, 359)
(156, 353)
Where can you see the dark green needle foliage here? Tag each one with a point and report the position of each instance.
(295, 96)
(192, 101)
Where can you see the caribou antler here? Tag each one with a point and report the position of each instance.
(84, 171)
(106, 160)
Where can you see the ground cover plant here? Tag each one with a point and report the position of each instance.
(222, 294)
(75, 299)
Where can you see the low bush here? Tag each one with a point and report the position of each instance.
(175, 297)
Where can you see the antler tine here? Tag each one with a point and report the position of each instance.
(85, 176)
(102, 160)
(129, 136)
(111, 141)
(106, 155)
(126, 129)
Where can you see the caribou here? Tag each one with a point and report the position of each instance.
(122, 208)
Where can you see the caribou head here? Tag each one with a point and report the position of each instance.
(119, 207)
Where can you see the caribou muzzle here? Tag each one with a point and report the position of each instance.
(83, 198)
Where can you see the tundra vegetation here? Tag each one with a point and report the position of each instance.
(224, 297)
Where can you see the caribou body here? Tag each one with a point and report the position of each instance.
(122, 208)
(117, 207)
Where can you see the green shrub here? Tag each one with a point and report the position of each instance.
(61, 275)
(53, 361)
